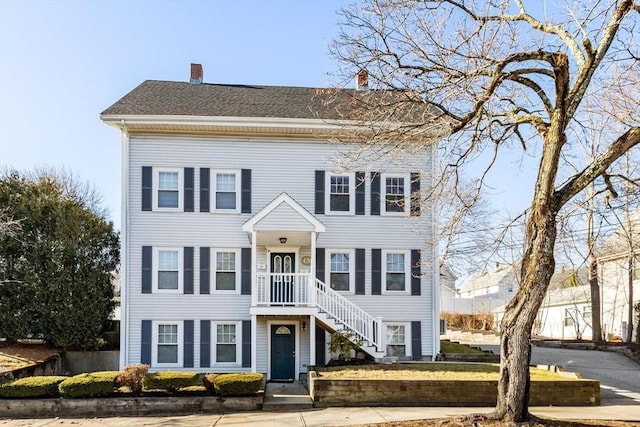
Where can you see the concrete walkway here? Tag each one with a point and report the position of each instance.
(330, 417)
(286, 397)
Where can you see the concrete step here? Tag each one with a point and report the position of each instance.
(291, 396)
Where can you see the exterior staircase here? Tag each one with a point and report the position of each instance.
(338, 313)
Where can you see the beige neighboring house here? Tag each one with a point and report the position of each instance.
(619, 273)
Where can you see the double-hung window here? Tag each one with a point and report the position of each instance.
(167, 344)
(340, 197)
(341, 270)
(569, 315)
(226, 348)
(341, 193)
(396, 271)
(168, 277)
(227, 193)
(395, 194)
(226, 273)
(398, 342)
(169, 184)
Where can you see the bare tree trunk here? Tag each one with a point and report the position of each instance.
(515, 342)
(596, 324)
(629, 339)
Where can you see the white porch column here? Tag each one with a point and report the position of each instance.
(312, 281)
(254, 343)
(254, 271)
(312, 340)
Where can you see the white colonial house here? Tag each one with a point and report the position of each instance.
(245, 245)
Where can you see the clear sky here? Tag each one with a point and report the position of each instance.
(64, 62)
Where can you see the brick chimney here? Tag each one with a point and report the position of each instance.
(196, 74)
(362, 80)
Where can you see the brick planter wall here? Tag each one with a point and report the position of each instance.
(377, 392)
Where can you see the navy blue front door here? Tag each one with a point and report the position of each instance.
(283, 356)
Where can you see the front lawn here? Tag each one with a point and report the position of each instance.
(437, 371)
(447, 346)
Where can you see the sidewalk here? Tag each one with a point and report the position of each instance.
(331, 417)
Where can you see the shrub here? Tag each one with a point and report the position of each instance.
(208, 382)
(237, 384)
(170, 380)
(32, 387)
(88, 385)
(133, 377)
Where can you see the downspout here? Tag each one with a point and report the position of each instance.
(124, 250)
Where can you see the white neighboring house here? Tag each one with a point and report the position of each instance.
(448, 291)
(490, 289)
(244, 245)
(619, 274)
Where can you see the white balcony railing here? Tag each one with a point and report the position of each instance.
(300, 289)
(283, 289)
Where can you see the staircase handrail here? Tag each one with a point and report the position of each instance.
(364, 325)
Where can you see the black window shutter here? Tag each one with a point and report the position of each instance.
(188, 344)
(246, 343)
(360, 192)
(205, 343)
(145, 342)
(245, 268)
(359, 271)
(375, 193)
(205, 278)
(147, 179)
(188, 189)
(376, 271)
(245, 200)
(188, 270)
(147, 255)
(319, 192)
(415, 194)
(416, 340)
(320, 264)
(321, 346)
(204, 189)
(415, 272)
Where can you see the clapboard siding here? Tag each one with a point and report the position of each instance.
(299, 159)
(284, 217)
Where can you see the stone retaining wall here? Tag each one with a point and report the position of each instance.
(125, 406)
(376, 392)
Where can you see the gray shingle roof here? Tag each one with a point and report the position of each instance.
(154, 97)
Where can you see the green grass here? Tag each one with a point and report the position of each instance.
(453, 347)
(437, 371)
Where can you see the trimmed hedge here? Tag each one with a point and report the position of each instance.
(32, 387)
(91, 384)
(237, 384)
(170, 380)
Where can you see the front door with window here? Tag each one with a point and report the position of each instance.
(282, 280)
(283, 354)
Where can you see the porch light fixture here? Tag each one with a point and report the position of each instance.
(304, 325)
(283, 240)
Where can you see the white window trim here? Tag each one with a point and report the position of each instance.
(407, 193)
(352, 193)
(212, 192)
(407, 272)
(154, 344)
(155, 265)
(156, 188)
(352, 268)
(214, 270)
(407, 337)
(214, 342)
